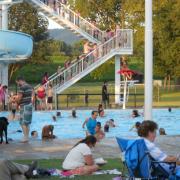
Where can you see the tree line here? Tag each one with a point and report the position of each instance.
(107, 14)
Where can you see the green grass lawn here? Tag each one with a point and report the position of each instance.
(56, 163)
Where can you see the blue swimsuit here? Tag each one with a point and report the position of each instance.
(91, 125)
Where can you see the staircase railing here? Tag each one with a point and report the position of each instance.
(65, 13)
(122, 40)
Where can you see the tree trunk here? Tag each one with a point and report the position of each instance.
(165, 82)
(169, 82)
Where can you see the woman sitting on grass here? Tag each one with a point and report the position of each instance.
(79, 160)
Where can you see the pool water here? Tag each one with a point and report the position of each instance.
(68, 127)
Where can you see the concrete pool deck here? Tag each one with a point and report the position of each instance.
(108, 148)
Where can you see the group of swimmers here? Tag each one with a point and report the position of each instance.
(79, 160)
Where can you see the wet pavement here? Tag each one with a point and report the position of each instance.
(108, 148)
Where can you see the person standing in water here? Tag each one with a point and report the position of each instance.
(91, 123)
(24, 99)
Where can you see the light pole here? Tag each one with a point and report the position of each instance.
(148, 61)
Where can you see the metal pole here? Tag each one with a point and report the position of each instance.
(125, 93)
(4, 67)
(117, 79)
(148, 61)
(57, 100)
(4, 16)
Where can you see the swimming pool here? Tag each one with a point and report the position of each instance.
(68, 127)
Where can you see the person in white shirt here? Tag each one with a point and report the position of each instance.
(147, 130)
(79, 160)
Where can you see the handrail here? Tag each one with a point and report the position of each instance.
(83, 58)
(77, 21)
(80, 17)
(116, 42)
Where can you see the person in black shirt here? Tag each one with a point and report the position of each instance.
(104, 94)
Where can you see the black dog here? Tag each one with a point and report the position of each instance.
(3, 128)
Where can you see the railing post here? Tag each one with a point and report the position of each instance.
(64, 77)
(82, 65)
(67, 100)
(57, 100)
(74, 18)
(135, 100)
(35, 102)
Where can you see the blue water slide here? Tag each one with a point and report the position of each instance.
(15, 46)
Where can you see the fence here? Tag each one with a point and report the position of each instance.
(91, 100)
(75, 96)
(162, 97)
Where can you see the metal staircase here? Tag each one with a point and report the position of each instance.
(68, 19)
(120, 44)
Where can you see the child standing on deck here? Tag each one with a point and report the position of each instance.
(50, 97)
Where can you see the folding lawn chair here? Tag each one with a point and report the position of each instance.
(140, 164)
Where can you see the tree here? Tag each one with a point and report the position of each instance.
(105, 12)
(25, 18)
(167, 45)
(166, 30)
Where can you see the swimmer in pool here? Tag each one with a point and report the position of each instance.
(135, 113)
(58, 114)
(162, 131)
(74, 113)
(34, 134)
(111, 123)
(169, 109)
(54, 118)
(99, 132)
(47, 132)
(101, 110)
(136, 126)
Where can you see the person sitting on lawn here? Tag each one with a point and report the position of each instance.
(99, 132)
(147, 130)
(79, 160)
(14, 171)
(47, 132)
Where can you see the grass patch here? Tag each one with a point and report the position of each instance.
(56, 163)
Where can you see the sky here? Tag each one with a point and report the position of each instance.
(53, 25)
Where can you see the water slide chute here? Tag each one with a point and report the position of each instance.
(15, 46)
